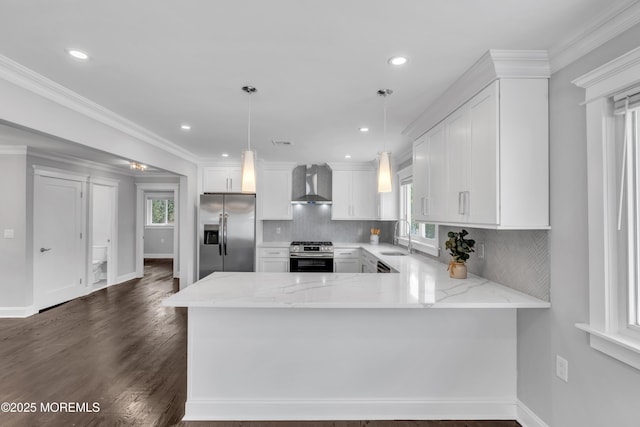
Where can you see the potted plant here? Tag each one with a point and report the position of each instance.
(459, 248)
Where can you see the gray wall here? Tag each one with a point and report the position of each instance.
(158, 241)
(601, 391)
(14, 276)
(313, 222)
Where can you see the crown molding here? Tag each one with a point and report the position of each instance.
(493, 65)
(81, 162)
(594, 35)
(13, 149)
(28, 79)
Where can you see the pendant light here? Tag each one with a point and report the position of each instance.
(384, 165)
(248, 155)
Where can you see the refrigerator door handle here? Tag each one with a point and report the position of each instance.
(219, 239)
(226, 216)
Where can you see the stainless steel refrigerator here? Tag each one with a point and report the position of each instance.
(227, 232)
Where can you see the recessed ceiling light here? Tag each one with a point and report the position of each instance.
(225, 155)
(364, 129)
(185, 126)
(398, 60)
(348, 156)
(78, 54)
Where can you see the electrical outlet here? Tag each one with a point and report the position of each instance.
(562, 368)
(480, 250)
(278, 230)
(8, 233)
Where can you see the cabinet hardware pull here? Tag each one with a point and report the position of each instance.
(460, 203)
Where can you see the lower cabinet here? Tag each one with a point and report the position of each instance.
(346, 260)
(369, 263)
(273, 260)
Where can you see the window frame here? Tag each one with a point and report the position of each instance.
(422, 244)
(149, 210)
(609, 292)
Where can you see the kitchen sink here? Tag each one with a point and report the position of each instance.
(394, 253)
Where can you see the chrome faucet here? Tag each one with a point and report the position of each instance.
(395, 235)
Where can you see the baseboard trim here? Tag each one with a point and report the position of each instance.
(315, 410)
(159, 256)
(526, 417)
(17, 312)
(125, 278)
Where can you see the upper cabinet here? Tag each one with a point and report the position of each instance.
(354, 192)
(486, 163)
(221, 179)
(275, 192)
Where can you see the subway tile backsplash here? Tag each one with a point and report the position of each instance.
(313, 222)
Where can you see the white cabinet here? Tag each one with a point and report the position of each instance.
(488, 163)
(275, 193)
(354, 195)
(273, 260)
(222, 179)
(429, 180)
(346, 260)
(369, 263)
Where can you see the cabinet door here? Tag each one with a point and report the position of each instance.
(276, 194)
(420, 178)
(363, 195)
(346, 266)
(341, 188)
(435, 205)
(274, 265)
(215, 180)
(483, 148)
(235, 180)
(457, 164)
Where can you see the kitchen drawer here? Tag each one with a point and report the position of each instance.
(346, 253)
(274, 252)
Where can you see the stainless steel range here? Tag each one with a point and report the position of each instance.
(311, 257)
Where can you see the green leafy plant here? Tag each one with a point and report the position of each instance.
(458, 246)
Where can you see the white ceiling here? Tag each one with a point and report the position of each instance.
(317, 64)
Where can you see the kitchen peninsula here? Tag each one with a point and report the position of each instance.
(408, 345)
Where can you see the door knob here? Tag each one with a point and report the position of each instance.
(45, 249)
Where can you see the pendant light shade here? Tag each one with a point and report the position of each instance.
(384, 163)
(248, 155)
(248, 171)
(384, 173)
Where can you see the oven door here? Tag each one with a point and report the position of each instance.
(311, 265)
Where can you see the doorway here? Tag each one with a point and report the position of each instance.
(102, 268)
(58, 239)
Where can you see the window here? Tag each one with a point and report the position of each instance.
(160, 210)
(424, 237)
(613, 156)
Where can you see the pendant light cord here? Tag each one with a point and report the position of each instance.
(249, 126)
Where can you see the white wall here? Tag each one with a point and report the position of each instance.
(601, 391)
(14, 273)
(158, 241)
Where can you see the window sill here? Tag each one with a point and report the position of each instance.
(421, 246)
(158, 226)
(618, 346)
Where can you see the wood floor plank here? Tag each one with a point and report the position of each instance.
(121, 348)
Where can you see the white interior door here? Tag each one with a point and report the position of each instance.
(59, 252)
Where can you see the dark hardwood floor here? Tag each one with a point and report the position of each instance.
(120, 348)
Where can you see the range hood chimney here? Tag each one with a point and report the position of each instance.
(311, 185)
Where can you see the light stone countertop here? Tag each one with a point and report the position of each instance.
(419, 283)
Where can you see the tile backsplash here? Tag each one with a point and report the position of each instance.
(515, 258)
(313, 222)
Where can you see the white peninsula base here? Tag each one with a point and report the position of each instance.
(338, 364)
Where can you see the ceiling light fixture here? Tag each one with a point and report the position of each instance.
(137, 166)
(225, 155)
(348, 156)
(185, 126)
(78, 54)
(384, 166)
(249, 156)
(397, 60)
(364, 129)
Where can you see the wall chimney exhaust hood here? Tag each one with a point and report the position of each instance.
(311, 185)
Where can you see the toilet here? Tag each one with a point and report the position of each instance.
(99, 257)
